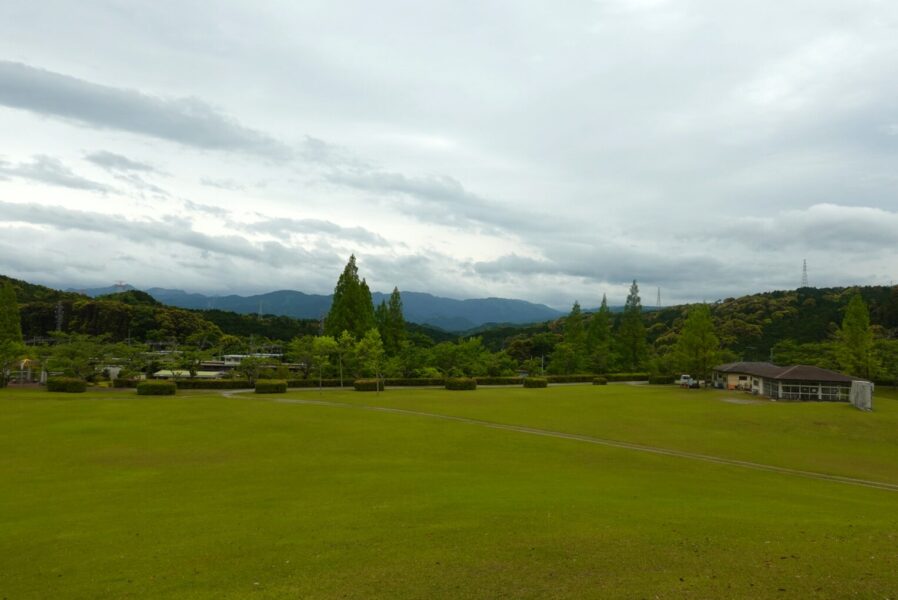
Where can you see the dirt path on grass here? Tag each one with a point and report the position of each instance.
(880, 485)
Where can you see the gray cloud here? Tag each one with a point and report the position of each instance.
(287, 226)
(51, 171)
(167, 230)
(187, 121)
(223, 184)
(118, 163)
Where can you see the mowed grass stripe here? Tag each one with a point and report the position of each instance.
(607, 442)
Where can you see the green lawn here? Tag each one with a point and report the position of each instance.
(107, 494)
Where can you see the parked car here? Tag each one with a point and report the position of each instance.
(686, 381)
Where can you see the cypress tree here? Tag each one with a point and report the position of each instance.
(855, 348)
(631, 333)
(598, 339)
(697, 348)
(394, 324)
(11, 346)
(351, 309)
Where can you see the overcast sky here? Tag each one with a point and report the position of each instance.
(544, 151)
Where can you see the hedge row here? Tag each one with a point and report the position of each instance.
(271, 386)
(626, 376)
(536, 382)
(156, 387)
(581, 378)
(69, 385)
(125, 383)
(600, 381)
(662, 379)
(313, 383)
(212, 384)
(499, 380)
(369, 385)
(461, 383)
(415, 381)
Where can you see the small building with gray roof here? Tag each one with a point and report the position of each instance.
(796, 382)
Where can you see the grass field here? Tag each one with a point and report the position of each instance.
(110, 495)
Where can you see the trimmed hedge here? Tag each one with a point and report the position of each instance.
(212, 384)
(314, 382)
(156, 387)
(125, 383)
(368, 385)
(600, 381)
(461, 383)
(271, 386)
(626, 376)
(662, 379)
(536, 382)
(415, 381)
(69, 385)
(499, 380)
(569, 378)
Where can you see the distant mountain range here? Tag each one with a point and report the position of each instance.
(445, 313)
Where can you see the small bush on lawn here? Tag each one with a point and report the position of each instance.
(600, 381)
(498, 380)
(461, 383)
(213, 384)
(155, 387)
(271, 386)
(70, 385)
(125, 383)
(314, 382)
(661, 379)
(369, 385)
(536, 382)
(627, 376)
(569, 378)
(415, 381)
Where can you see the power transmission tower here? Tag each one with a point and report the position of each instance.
(804, 273)
(658, 304)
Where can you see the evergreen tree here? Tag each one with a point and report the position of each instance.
(12, 348)
(352, 309)
(598, 339)
(631, 333)
(855, 348)
(394, 324)
(697, 349)
(574, 352)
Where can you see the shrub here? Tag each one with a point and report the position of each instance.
(499, 380)
(461, 383)
(600, 381)
(369, 385)
(661, 379)
(212, 384)
(125, 383)
(627, 376)
(569, 378)
(156, 387)
(271, 386)
(313, 383)
(415, 381)
(70, 385)
(536, 382)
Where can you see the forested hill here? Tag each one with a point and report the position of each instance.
(752, 325)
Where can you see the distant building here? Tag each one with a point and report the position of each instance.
(797, 382)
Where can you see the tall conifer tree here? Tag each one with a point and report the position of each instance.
(631, 333)
(11, 346)
(598, 339)
(855, 349)
(351, 309)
